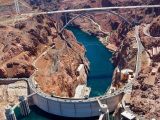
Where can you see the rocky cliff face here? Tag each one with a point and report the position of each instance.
(45, 5)
(154, 28)
(145, 98)
(14, 57)
(62, 79)
(22, 44)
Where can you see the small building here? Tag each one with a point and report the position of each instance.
(158, 49)
(80, 69)
(154, 70)
(128, 70)
(82, 91)
(154, 51)
(127, 116)
(150, 52)
(111, 90)
(125, 76)
(87, 92)
(127, 100)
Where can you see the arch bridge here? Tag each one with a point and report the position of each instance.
(102, 9)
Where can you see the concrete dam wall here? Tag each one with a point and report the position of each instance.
(74, 108)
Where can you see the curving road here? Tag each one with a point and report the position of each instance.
(145, 32)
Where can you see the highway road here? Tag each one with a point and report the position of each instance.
(139, 55)
(138, 68)
(100, 8)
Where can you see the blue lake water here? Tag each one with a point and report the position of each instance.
(99, 78)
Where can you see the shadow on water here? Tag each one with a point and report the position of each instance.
(38, 114)
(104, 76)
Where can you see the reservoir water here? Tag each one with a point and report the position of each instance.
(101, 68)
(99, 78)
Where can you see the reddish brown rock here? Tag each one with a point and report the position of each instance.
(154, 28)
(63, 81)
(3, 73)
(144, 99)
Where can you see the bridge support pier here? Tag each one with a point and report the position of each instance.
(135, 15)
(34, 11)
(24, 107)
(57, 22)
(144, 15)
(106, 116)
(152, 14)
(127, 15)
(10, 115)
(118, 12)
(66, 18)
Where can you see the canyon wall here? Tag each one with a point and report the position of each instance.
(145, 98)
(23, 43)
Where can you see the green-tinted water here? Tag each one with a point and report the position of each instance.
(99, 78)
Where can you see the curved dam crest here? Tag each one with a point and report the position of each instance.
(99, 78)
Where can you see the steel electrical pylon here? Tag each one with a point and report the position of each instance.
(17, 7)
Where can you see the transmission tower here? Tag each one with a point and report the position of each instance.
(127, 63)
(8, 41)
(17, 7)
